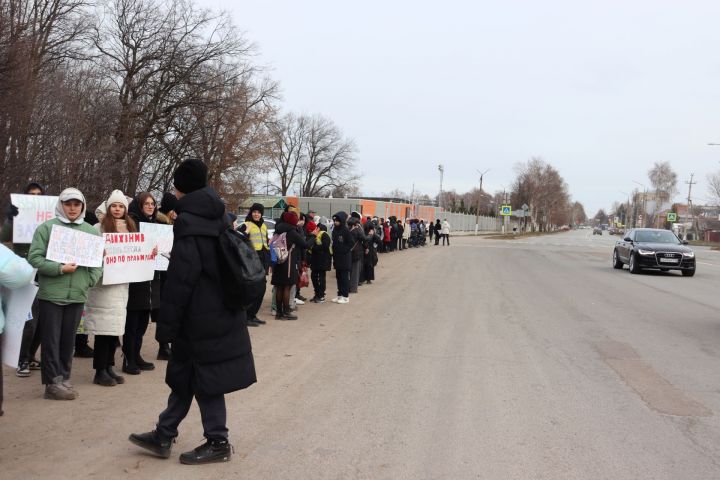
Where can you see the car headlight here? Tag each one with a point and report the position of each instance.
(689, 254)
(646, 252)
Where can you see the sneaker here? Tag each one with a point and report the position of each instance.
(300, 297)
(257, 320)
(35, 364)
(58, 391)
(299, 302)
(153, 442)
(321, 300)
(336, 299)
(344, 300)
(71, 387)
(251, 323)
(23, 370)
(212, 451)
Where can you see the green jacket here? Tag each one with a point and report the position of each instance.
(56, 286)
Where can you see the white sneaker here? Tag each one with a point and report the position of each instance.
(336, 299)
(299, 302)
(343, 300)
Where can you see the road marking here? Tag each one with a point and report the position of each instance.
(657, 393)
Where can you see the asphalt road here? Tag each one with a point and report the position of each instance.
(489, 359)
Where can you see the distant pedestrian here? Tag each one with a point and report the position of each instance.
(438, 231)
(321, 262)
(446, 232)
(342, 257)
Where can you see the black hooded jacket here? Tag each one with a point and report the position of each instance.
(212, 353)
(342, 243)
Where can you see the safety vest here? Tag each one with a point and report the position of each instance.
(258, 236)
(318, 240)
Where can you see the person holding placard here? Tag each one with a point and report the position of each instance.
(143, 296)
(63, 291)
(15, 272)
(106, 306)
(31, 334)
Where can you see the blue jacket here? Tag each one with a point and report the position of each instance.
(15, 272)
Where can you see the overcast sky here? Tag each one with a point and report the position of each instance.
(600, 89)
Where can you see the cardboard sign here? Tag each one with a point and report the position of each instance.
(33, 210)
(162, 235)
(128, 258)
(17, 304)
(68, 245)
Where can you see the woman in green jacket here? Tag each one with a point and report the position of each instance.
(63, 292)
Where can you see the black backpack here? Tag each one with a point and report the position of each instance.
(241, 271)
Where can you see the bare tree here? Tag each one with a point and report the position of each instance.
(158, 55)
(664, 181)
(540, 186)
(289, 139)
(714, 186)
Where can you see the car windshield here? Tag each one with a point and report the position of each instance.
(656, 236)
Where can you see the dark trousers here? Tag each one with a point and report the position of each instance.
(437, 239)
(58, 324)
(105, 347)
(369, 271)
(212, 413)
(31, 336)
(319, 282)
(446, 236)
(136, 323)
(355, 276)
(343, 282)
(253, 309)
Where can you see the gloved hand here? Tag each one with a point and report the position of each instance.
(11, 212)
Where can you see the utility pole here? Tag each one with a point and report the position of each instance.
(690, 207)
(442, 172)
(477, 212)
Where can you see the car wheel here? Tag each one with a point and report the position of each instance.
(616, 261)
(688, 273)
(633, 266)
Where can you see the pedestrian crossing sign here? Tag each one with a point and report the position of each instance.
(672, 217)
(506, 210)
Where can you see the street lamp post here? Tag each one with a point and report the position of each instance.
(644, 202)
(442, 172)
(477, 212)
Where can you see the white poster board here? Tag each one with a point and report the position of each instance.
(32, 211)
(68, 245)
(162, 235)
(17, 303)
(128, 258)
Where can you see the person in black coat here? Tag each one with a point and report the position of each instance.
(370, 258)
(357, 252)
(143, 297)
(285, 275)
(320, 262)
(438, 231)
(211, 350)
(342, 256)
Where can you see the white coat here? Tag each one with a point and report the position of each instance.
(106, 309)
(15, 272)
(445, 228)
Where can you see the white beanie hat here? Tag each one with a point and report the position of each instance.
(116, 197)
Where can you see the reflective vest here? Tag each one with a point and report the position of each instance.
(318, 240)
(258, 236)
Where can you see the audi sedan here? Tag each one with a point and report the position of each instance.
(653, 248)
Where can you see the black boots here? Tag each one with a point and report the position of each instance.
(142, 364)
(129, 367)
(164, 351)
(102, 378)
(212, 451)
(153, 442)
(118, 378)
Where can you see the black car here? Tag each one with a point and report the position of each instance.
(644, 248)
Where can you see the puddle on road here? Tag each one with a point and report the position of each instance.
(659, 394)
